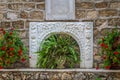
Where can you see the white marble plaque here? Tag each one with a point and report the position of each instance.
(60, 9)
(82, 32)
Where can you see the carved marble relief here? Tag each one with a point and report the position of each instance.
(82, 32)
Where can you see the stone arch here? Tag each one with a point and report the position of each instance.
(80, 31)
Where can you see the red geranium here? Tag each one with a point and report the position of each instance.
(107, 67)
(11, 47)
(23, 59)
(20, 52)
(116, 53)
(3, 48)
(102, 44)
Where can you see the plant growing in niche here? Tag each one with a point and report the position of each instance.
(58, 51)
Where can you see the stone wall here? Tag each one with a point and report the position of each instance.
(18, 13)
(37, 75)
(103, 13)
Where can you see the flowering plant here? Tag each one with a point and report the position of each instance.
(11, 48)
(110, 48)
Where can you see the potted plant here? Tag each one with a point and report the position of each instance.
(12, 48)
(110, 49)
(58, 51)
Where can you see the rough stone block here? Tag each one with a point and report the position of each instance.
(101, 5)
(3, 6)
(5, 24)
(36, 15)
(1, 16)
(85, 5)
(29, 6)
(18, 24)
(115, 5)
(41, 6)
(24, 14)
(12, 15)
(92, 14)
(99, 22)
(15, 6)
(108, 12)
(39, 0)
(80, 14)
(22, 34)
(114, 22)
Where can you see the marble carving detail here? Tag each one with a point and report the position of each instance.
(82, 32)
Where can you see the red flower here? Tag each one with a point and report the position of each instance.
(23, 59)
(97, 68)
(11, 33)
(11, 49)
(20, 52)
(106, 46)
(29, 56)
(102, 44)
(116, 53)
(3, 48)
(107, 67)
(1, 67)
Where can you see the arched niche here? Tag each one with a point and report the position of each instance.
(82, 32)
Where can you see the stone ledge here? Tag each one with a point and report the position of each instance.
(62, 70)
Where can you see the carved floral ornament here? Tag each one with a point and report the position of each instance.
(82, 32)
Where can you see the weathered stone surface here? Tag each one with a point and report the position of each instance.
(3, 1)
(66, 76)
(41, 6)
(99, 22)
(105, 30)
(39, 0)
(5, 24)
(108, 12)
(18, 24)
(80, 14)
(26, 42)
(92, 14)
(24, 14)
(115, 5)
(1, 16)
(10, 0)
(85, 5)
(36, 15)
(3, 6)
(60, 9)
(29, 6)
(15, 6)
(114, 22)
(101, 5)
(95, 32)
(22, 33)
(55, 76)
(12, 15)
